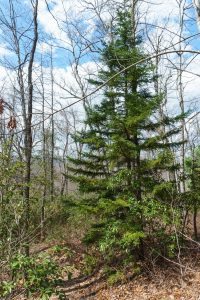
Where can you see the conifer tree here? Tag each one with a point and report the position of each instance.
(192, 195)
(126, 160)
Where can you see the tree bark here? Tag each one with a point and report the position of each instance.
(28, 129)
(52, 131)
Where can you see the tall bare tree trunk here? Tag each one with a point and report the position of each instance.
(44, 161)
(52, 131)
(181, 95)
(28, 129)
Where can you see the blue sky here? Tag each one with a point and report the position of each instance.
(165, 13)
(53, 31)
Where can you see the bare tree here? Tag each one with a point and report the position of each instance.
(24, 71)
(196, 4)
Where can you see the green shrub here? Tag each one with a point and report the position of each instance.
(39, 276)
(90, 263)
(116, 277)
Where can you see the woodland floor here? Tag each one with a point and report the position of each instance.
(158, 283)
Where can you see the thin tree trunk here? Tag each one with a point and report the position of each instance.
(44, 162)
(181, 97)
(52, 131)
(195, 221)
(28, 130)
(65, 183)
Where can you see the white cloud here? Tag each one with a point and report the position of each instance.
(45, 48)
(4, 51)
(163, 13)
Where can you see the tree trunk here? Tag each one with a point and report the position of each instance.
(52, 131)
(28, 131)
(44, 161)
(195, 221)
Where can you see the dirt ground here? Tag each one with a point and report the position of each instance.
(174, 280)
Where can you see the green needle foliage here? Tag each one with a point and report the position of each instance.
(127, 155)
(192, 195)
